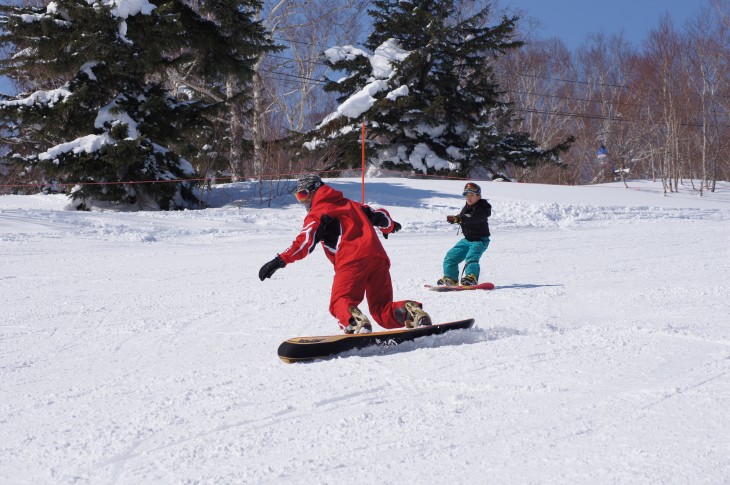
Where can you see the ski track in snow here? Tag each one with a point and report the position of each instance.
(141, 347)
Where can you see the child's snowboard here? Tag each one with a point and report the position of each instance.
(480, 286)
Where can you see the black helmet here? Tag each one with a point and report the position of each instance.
(309, 182)
(307, 185)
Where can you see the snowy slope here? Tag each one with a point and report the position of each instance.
(141, 347)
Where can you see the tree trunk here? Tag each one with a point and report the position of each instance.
(256, 118)
(236, 134)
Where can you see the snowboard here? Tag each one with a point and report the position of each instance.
(480, 286)
(304, 349)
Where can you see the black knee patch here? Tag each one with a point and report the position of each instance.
(400, 315)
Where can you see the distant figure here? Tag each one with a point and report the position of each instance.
(474, 222)
(346, 230)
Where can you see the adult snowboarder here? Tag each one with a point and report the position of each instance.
(474, 222)
(346, 230)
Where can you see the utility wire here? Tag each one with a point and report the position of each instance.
(607, 118)
(522, 74)
(575, 81)
(528, 110)
(294, 77)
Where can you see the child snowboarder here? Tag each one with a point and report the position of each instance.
(346, 230)
(474, 222)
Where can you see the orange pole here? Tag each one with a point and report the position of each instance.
(363, 162)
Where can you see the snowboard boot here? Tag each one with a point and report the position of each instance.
(469, 280)
(416, 316)
(446, 281)
(359, 323)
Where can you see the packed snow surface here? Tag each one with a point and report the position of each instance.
(140, 347)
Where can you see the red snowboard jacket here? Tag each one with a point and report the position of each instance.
(343, 226)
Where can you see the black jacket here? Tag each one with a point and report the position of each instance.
(475, 220)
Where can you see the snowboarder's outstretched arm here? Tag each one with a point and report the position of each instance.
(303, 244)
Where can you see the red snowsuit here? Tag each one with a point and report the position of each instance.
(345, 229)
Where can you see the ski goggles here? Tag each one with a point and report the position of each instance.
(471, 188)
(302, 195)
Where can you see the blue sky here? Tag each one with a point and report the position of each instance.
(574, 20)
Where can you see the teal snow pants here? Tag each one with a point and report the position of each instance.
(469, 251)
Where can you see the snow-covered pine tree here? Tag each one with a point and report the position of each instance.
(427, 93)
(99, 111)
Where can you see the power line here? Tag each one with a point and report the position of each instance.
(574, 81)
(294, 76)
(602, 101)
(522, 74)
(536, 111)
(523, 110)
(319, 81)
(311, 44)
(324, 82)
(607, 118)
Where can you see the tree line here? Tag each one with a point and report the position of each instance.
(191, 91)
(659, 111)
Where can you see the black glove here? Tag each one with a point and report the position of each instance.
(453, 219)
(270, 268)
(396, 227)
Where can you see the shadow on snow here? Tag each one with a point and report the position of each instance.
(517, 286)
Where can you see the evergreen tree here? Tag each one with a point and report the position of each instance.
(100, 112)
(427, 93)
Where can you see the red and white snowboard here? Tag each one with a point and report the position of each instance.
(480, 286)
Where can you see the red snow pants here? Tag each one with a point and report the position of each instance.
(366, 277)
